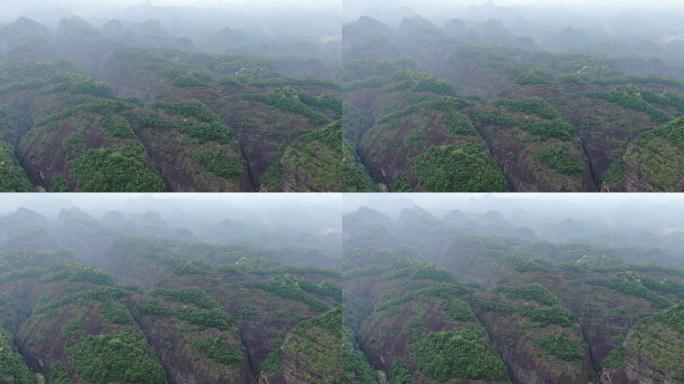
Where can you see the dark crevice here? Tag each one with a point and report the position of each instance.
(250, 364)
(595, 365)
(509, 371)
(248, 167)
(592, 170)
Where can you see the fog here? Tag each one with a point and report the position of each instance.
(286, 33)
(90, 222)
(289, 22)
(15, 8)
(320, 229)
(438, 7)
(639, 227)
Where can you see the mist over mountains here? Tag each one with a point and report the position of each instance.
(93, 223)
(293, 287)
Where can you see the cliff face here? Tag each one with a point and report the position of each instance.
(652, 351)
(205, 314)
(299, 360)
(549, 122)
(161, 120)
(536, 334)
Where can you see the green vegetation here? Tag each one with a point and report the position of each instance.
(316, 157)
(289, 288)
(323, 288)
(456, 122)
(417, 137)
(76, 138)
(155, 308)
(75, 327)
(400, 184)
(533, 106)
(324, 102)
(120, 169)
(459, 124)
(614, 173)
(207, 313)
(556, 128)
(458, 168)
(629, 283)
(121, 358)
(79, 84)
(614, 359)
(273, 363)
(659, 155)
(12, 366)
(101, 107)
(421, 82)
(58, 375)
(78, 272)
(536, 76)
(666, 99)
(445, 356)
(417, 323)
(560, 159)
(562, 347)
(271, 178)
(213, 318)
(534, 292)
(219, 163)
(18, 86)
(116, 313)
(220, 351)
(545, 315)
(116, 126)
(343, 363)
(192, 267)
(659, 340)
(189, 108)
(673, 317)
(98, 294)
(204, 131)
(400, 375)
(355, 176)
(192, 295)
(58, 185)
(421, 270)
(629, 96)
(12, 125)
(12, 176)
(666, 286)
(288, 99)
(673, 133)
(458, 310)
(444, 291)
(192, 79)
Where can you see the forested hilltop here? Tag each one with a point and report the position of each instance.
(519, 98)
(412, 297)
(143, 104)
(473, 99)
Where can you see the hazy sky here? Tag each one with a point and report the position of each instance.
(46, 4)
(574, 4)
(244, 198)
(11, 9)
(75, 4)
(587, 201)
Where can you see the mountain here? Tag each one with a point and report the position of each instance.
(485, 97)
(124, 299)
(134, 106)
